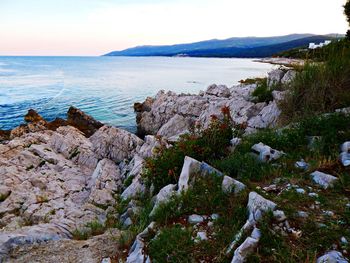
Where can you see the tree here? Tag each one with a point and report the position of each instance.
(347, 13)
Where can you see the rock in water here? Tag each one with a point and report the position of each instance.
(82, 121)
(33, 116)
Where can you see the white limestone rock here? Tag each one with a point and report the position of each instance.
(231, 185)
(332, 257)
(244, 250)
(115, 144)
(288, 77)
(136, 188)
(258, 205)
(267, 118)
(218, 91)
(266, 153)
(189, 168)
(275, 77)
(106, 176)
(323, 179)
(195, 219)
(176, 126)
(163, 196)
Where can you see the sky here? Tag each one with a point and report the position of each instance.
(96, 27)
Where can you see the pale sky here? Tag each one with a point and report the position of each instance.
(95, 27)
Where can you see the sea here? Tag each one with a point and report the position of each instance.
(107, 87)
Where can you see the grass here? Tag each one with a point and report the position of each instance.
(204, 198)
(262, 93)
(173, 245)
(93, 228)
(320, 87)
(250, 81)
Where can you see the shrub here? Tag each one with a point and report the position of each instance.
(203, 145)
(347, 13)
(320, 87)
(173, 244)
(263, 93)
(205, 197)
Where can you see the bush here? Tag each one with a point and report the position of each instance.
(320, 87)
(203, 145)
(204, 198)
(173, 244)
(263, 93)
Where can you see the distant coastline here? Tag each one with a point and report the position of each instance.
(248, 47)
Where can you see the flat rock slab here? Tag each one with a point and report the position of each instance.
(323, 179)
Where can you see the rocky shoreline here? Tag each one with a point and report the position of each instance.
(58, 177)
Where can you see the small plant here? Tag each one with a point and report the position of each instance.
(263, 93)
(42, 163)
(203, 145)
(173, 244)
(73, 153)
(250, 81)
(128, 181)
(80, 234)
(93, 228)
(347, 13)
(30, 167)
(320, 87)
(96, 228)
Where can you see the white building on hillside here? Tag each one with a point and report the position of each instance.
(314, 46)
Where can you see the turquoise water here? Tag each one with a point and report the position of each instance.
(106, 87)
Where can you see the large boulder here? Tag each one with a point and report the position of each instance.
(218, 91)
(92, 250)
(82, 121)
(267, 117)
(115, 144)
(288, 77)
(30, 235)
(275, 77)
(176, 126)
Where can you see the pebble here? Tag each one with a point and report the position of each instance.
(279, 215)
(344, 240)
(328, 213)
(300, 191)
(214, 216)
(201, 236)
(302, 214)
(195, 219)
(313, 195)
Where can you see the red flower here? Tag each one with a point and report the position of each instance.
(213, 117)
(225, 110)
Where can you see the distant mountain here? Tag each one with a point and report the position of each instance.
(232, 47)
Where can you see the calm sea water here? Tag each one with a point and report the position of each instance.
(106, 87)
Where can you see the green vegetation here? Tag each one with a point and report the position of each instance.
(263, 93)
(347, 13)
(93, 228)
(320, 87)
(73, 153)
(206, 197)
(203, 145)
(173, 245)
(250, 81)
